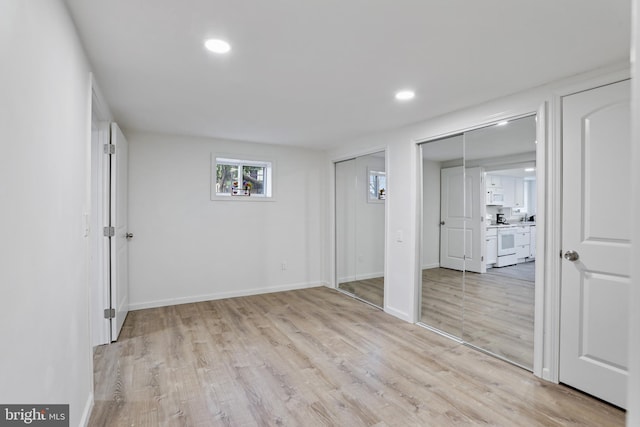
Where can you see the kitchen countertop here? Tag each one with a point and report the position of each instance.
(513, 224)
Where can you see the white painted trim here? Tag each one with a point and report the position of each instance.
(633, 396)
(430, 266)
(223, 295)
(349, 155)
(385, 292)
(104, 113)
(99, 247)
(398, 313)
(541, 238)
(86, 412)
(365, 276)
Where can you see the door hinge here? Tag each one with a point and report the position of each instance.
(109, 313)
(109, 231)
(482, 258)
(481, 219)
(109, 149)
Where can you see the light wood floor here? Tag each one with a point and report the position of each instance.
(370, 290)
(495, 312)
(314, 358)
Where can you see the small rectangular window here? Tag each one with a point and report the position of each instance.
(241, 178)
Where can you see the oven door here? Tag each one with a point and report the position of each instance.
(506, 241)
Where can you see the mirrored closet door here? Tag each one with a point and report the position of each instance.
(361, 186)
(443, 235)
(479, 245)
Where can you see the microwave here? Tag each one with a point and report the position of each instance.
(495, 197)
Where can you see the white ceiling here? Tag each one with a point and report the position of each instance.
(316, 72)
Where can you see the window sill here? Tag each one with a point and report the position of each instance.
(229, 198)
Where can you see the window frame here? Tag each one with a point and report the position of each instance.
(242, 161)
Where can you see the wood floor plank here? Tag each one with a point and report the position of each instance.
(314, 358)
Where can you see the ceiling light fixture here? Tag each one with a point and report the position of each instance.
(405, 95)
(530, 169)
(503, 123)
(217, 46)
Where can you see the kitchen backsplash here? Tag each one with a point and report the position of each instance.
(511, 214)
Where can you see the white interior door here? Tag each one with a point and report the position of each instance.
(596, 235)
(119, 241)
(475, 230)
(452, 218)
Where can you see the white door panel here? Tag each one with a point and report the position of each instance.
(474, 225)
(119, 242)
(596, 225)
(452, 218)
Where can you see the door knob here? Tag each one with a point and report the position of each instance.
(129, 236)
(441, 222)
(571, 255)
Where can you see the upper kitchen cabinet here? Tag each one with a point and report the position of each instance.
(505, 190)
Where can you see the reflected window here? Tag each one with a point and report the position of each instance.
(377, 185)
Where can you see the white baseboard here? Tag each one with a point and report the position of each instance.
(398, 313)
(86, 413)
(222, 295)
(365, 276)
(430, 266)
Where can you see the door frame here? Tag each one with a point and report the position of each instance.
(99, 192)
(542, 232)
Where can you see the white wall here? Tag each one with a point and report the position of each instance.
(189, 248)
(430, 214)
(46, 354)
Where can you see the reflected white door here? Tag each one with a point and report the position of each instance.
(475, 231)
(119, 242)
(452, 218)
(596, 230)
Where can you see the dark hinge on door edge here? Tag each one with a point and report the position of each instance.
(109, 313)
(109, 231)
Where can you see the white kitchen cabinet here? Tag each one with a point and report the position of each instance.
(511, 187)
(493, 181)
(492, 249)
(532, 240)
(522, 252)
(508, 188)
(518, 193)
(523, 240)
(522, 236)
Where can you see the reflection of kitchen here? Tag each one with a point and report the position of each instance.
(510, 211)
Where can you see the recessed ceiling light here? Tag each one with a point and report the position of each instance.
(503, 123)
(530, 169)
(405, 95)
(217, 46)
